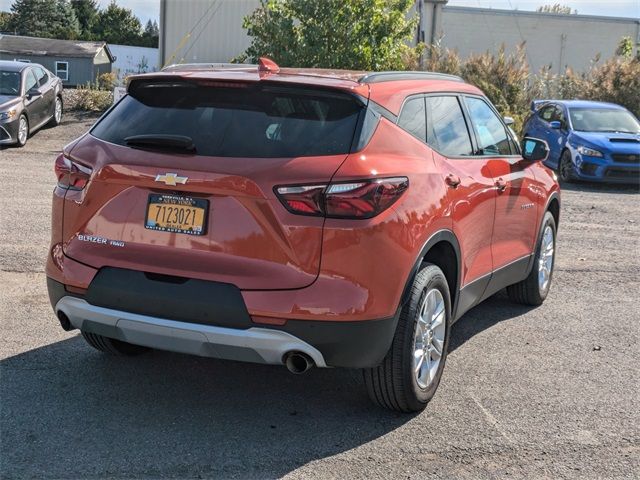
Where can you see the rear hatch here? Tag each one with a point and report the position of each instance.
(182, 178)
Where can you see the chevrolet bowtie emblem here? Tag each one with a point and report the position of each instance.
(171, 179)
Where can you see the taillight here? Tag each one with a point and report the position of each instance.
(71, 175)
(355, 199)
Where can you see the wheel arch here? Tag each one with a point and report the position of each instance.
(553, 206)
(443, 250)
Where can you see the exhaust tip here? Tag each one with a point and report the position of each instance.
(65, 323)
(298, 362)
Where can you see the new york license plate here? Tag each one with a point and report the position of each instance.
(177, 214)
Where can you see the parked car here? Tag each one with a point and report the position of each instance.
(30, 97)
(588, 140)
(299, 217)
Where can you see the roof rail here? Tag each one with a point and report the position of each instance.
(176, 67)
(376, 77)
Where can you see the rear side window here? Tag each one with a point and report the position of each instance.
(547, 113)
(446, 128)
(413, 118)
(237, 121)
(41, 75)
(491, 134)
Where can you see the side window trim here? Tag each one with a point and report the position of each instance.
(404, 103)
(546, 106)
(476, 144)
(30, 73)
(463, 109)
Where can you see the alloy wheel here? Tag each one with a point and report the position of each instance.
(23, 130)
(545, 261)
(58, 111)
(429, 338)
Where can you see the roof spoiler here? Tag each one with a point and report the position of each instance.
(536, 104)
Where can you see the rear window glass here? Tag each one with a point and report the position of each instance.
(248, 121)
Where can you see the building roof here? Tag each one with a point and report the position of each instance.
(50, 47)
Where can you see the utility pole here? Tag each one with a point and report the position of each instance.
(430, 22)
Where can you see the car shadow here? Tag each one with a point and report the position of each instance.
(70, 412)
(601, 187)
(493, 310)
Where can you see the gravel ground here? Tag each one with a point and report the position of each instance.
(550, 392)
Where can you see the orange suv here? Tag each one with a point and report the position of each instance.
(299, 217)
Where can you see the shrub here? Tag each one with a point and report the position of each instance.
(507, 81)
(93, 100)
(503, 77)
(107, 81)
(618, 81)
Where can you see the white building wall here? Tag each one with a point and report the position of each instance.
(211, 31)
(559, 40)
(130, 60)
(203, 30)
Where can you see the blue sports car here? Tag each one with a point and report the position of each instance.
(587, 140)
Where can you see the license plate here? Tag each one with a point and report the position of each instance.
(177, 214)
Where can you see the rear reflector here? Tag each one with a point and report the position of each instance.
(356, 199)
(71, 175)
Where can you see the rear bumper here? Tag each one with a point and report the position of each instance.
(260, 345)
(227, 331)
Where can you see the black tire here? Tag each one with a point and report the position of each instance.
(112, 346)
(20, 143)
(528, 291)
(566, 168)
(54, 122)
(392, 384)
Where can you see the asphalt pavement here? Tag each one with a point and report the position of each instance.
(549, 392)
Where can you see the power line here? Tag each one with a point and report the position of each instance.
(213, 14)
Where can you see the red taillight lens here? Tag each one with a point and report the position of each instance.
(302, 199)
(71, 175)
(359, 199)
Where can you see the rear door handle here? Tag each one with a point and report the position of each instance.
(501, 184)
(452, 180)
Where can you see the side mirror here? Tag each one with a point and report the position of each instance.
(508, 121)
(556, 124)
(34, 92)
(534, 149)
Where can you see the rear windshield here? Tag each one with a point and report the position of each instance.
(238, 121)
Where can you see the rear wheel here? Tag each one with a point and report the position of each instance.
(566, 168)
(56, 119)
(534, 289)
(410, 373)
(112, 346)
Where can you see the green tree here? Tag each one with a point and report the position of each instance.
(556, 8)
(151, 34)
(87, 13)
(357, 34)
(44, 18)
(117, 25)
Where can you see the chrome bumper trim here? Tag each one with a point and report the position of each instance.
(260, 345)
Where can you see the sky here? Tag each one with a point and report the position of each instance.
(150, 9)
